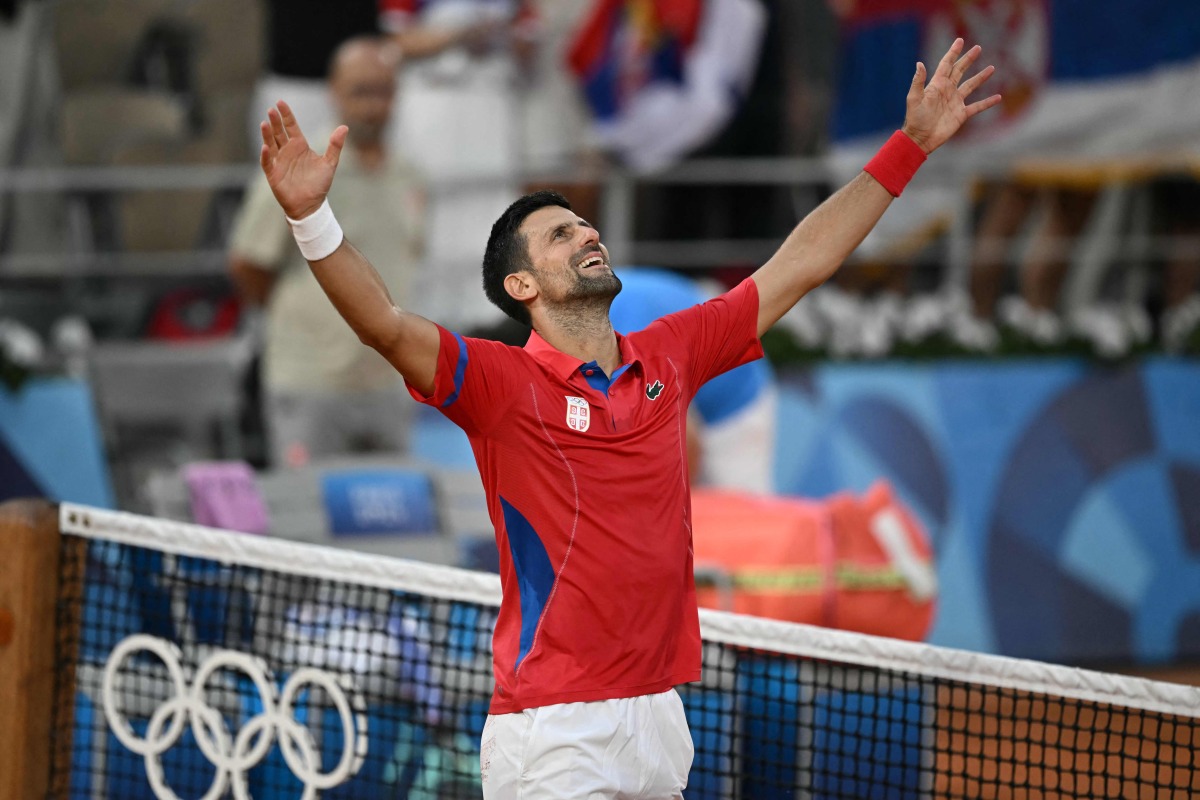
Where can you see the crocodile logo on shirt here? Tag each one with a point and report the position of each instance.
(653, 390)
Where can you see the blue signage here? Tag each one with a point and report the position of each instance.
(379, 501)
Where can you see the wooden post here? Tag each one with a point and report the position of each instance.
(29, 566)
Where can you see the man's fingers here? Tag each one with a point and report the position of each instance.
(963, 64)
(918, 81)
(277, 131)
(982, 105)
(289, 120)
(947, 62)
(268, 138)
(333, 153)
(265, 157)
(975, 82)
(917, 89)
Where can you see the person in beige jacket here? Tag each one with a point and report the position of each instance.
(325, 393)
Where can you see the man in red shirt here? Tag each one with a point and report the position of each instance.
(580, 439)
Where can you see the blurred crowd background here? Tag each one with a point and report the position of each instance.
(1023, 318)
(1066, 221)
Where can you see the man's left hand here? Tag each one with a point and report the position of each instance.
(936, 111)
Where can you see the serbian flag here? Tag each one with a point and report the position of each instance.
(1093, 90)
(663, 77)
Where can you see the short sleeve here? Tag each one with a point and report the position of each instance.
(474, 382)
(715, 336)
(260, 231)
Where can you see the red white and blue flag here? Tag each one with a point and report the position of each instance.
(1089, 87)
(662, 77)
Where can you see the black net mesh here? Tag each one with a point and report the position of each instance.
(188, 678)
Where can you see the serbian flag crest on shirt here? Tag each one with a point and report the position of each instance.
(579, 414)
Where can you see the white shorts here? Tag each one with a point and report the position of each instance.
(635, 747)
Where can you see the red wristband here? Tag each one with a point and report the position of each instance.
(896, 163)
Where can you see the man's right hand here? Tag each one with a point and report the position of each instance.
(299, 177)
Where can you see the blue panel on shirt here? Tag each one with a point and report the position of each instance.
(595, 377)
(535, 575)
(379, 501)
(460, 371)
(647, 294)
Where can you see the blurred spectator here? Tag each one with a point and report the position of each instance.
(1034, 311)
(459, 121)
(302, 36)
(736, 410)
(665, 78)
(1050, 220)
(556, 136)
(325, 393)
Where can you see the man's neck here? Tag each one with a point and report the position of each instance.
(586, 336)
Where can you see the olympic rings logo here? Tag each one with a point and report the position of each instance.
(233, 756)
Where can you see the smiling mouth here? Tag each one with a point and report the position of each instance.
(592, 262)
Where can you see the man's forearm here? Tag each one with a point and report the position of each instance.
(818, 246)
(934, 112)
(409, 342)
(358, 293)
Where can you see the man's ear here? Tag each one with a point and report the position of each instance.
(521, 286)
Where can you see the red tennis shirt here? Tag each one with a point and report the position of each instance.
(587, 487)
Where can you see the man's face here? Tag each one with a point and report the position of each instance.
(363, 88)
(568, 259)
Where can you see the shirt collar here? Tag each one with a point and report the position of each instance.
(562, 364)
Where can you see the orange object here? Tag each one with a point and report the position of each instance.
(854, 563)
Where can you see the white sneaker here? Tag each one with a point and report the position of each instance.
(805, 323)
(1041, 326)
(1137, 321)
(21, 344)
(879, 323)
(1102, 325)
(924, 316)
(842, 313)
(972, 333)
(1179, 323)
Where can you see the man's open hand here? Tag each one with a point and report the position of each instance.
(299, 177)
(936, 111)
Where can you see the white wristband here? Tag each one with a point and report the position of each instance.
(318, 234)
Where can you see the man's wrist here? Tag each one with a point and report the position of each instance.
(318, 234)
(917, 140)
(896, 163)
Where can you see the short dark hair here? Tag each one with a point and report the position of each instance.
(508, 252)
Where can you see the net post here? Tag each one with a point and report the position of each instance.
(30, 542)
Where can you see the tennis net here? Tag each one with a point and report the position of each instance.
(200, 663)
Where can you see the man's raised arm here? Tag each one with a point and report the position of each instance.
(300, 180)
(826, 237)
